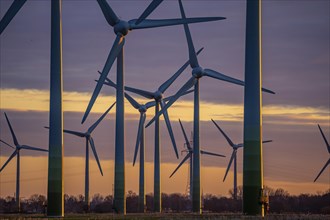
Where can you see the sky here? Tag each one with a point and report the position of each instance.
(296, 54)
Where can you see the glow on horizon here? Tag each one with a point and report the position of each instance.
(38, 100)
(34, 178)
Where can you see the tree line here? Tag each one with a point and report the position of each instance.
(280, 201)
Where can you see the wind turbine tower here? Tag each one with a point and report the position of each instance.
(252, 157)
(55, 192)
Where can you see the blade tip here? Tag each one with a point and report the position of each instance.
(84, 119)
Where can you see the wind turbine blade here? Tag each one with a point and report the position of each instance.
(190, 83)
(185, 136)
(151, 104)
(26, 147)
(169, 82)
(108, 81)
(220, 76)
(180, 164)
(223, 133)
(7, 144)
(324, 138)
(11, 131)
(108, 13)
(267, 141)
(133, 102)
(192, 56)
(91, 128)
(116, 48)
(267, 90)
(91, 141)
(212, 154)
(326, 164)
(185, 93)
(233, 155)
(9, 159)
(138, 138)
(76, 133)
(10, 14)
(169, 128)
(146, 94)
(169, 22)
(152, 6)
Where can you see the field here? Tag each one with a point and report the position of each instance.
(168, 216)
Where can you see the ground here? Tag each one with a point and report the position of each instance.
(168, 216)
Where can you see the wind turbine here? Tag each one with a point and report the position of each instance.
(197, 73)
(158, 97)
(189, 156)
(328, 146)
(55, 191)
(89, 143)
(121, 29)
(16, 152)
(142, 108)
(233, 157)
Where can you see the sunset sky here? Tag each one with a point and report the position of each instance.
(296, 54)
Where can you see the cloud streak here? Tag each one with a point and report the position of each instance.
(38, 100)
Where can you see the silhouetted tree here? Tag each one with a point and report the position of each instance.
(132, 202)
(280, 202)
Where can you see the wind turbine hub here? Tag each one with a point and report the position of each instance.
(197, 72)
(238, 146)
(158, 95)
(122, 27)
(143, 108)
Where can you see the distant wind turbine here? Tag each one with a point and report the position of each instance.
(142, 108)
(17, 149)
(233, 156)
(189, 156)
(139, 142)
(89, 142)
(197, 73)
(121, 29)
(328, 147)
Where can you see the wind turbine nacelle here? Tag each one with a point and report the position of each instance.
(197, 72)
(121, 27)
(158, 95)
(143, 108)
